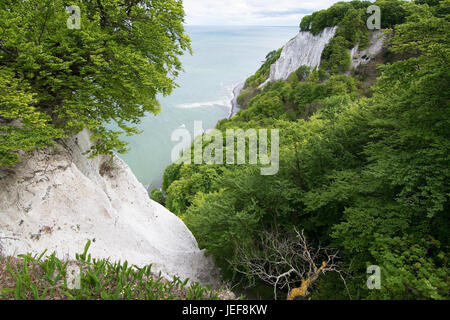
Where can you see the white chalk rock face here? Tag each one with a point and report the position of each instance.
(304, 50)
(58, 200)
(361, 57)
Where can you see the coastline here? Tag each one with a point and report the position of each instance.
(233, 111)
(234, 105)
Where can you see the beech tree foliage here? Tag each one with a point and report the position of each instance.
(56, 81)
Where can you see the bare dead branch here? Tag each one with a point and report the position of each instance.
(285, 262)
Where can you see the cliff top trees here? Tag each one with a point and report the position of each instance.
(55, 81)
(392, 11)
(331, 16)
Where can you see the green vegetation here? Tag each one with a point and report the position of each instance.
(39, 278)
(393, 13)
(55, 81)
(251, 85)
(158, 196)
(264, 71)
(351, 19)
(336, 56)
(331, 17)
(363, 171)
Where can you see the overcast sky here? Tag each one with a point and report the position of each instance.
(251, 12)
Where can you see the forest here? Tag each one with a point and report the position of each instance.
(364, 167)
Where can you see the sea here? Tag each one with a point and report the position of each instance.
(223, 57)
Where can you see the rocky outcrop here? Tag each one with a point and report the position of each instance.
(234, 104)
(304, 50)
(58, 199)
(364, 56)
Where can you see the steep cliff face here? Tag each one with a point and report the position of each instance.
(364, 56)
(304, 50)
(58, 199)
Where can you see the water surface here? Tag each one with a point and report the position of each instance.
(223, 57)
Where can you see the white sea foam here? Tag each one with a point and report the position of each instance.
(226, 101)
(203, 104)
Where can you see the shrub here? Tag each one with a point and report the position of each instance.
(264, 71)
(303, 73)
(336, 56)
(158, 196)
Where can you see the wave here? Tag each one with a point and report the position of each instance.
(204, 104)
(226, 101)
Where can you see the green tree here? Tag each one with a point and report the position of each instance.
(110, 70)
(353, 28)
(393, 12)
(22, 126)
(336, 56)
(158, 196)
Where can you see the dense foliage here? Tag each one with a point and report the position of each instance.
(35, 277)
(56, 81)
(393, 13)
(366, 174)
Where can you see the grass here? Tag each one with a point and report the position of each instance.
(33, 277)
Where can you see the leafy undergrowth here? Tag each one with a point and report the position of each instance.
(48, 278)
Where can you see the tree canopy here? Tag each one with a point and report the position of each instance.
(56, 81)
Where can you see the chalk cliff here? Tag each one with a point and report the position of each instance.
(57, 199)
(363, 56)
(304, 50)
